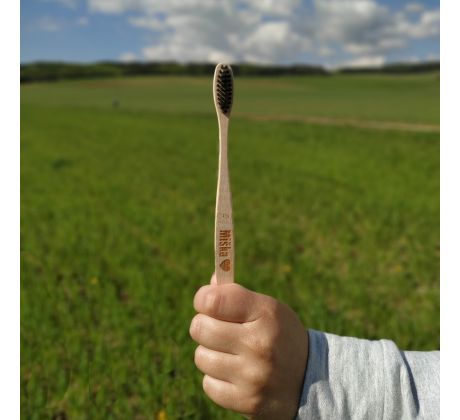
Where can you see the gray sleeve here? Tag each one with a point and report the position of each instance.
(351, 378)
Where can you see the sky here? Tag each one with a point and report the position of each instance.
(332, 33)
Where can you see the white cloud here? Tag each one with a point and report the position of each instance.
(273, 41)
(51, 24)
(379, 45)
(413, 59)
(208, 30)
(369, 61)
(414, 7)
(271, 30)
(148, 22)
(275, 7)
(82, 21)
(180, 53)
(432, 57)
(46, 24)
(325, 51)
(70, 4)
(128, 57)
(429, 23)
(108, 6)
(426, 26)
(271, 7)
(365, 27)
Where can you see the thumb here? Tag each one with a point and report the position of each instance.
(213, 278)
(230, 302)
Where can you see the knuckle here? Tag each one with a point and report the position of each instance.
(258, 345)
(214, 302)
(258, 378)
(272, 308)
(255, 404)
(263, 346)
(269, 356)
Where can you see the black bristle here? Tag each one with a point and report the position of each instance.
(224, 89)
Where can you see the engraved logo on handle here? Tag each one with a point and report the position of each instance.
(225, 242)
(225, 246)
(225, 265)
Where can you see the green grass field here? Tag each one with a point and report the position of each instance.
(336, 219)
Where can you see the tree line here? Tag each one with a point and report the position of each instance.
(53, 71)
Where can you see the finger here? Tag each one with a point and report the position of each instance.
(221, 392)
(213, 278)
(216, 334)
(228, 395)
(216, 364)
(230, 302)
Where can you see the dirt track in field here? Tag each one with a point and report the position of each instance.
(348, 122)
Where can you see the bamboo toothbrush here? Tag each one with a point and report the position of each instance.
(224, 243)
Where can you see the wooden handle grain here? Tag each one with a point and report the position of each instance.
(224, 242)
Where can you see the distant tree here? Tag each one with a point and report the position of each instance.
(50, 71)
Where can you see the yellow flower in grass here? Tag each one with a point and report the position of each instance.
(162, 415)
(286, 268)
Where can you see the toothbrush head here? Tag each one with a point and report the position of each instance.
(223, 88)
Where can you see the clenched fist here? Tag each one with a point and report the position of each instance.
(252, 350)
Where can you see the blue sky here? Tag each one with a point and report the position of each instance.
(328, 32)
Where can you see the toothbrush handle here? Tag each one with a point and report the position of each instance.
(224, 242)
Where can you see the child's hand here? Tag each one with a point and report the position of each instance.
(253, 351)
